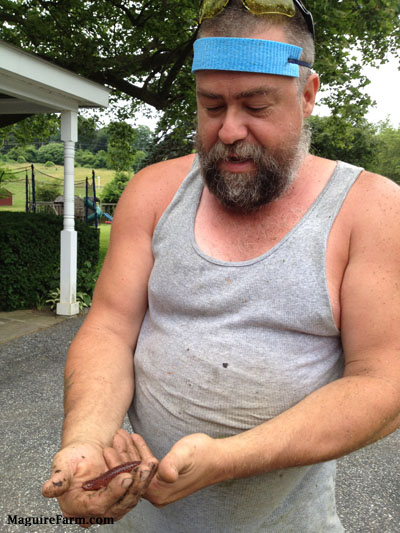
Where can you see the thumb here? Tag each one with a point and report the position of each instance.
(58, 483)
(170, 467)
(167, 470)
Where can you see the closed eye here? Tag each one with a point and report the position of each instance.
(214, 108)
(257, 109)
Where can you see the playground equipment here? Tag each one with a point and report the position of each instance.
(91, 204)
(96, 211)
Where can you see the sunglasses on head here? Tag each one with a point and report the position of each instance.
(211, 8)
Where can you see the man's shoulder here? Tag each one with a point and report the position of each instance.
(168, 173)
(376, 190)
(369, 184)
(152, 189)
(374, 204)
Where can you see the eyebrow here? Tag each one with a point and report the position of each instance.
(258, 91)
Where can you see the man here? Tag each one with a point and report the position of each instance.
(258, 287)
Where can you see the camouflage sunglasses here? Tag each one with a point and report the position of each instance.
(211, 8)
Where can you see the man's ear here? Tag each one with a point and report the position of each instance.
(309, 94)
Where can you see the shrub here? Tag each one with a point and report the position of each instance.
(51, 152)
(31, 153)
(49, 164)
(30, 256)
(17, 152)
(85, 158)
(47, 192)
(114, 188)
(101, 159)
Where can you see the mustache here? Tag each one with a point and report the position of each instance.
(240, 150)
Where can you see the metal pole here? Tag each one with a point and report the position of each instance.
(86, 200)
(33, 189)
(94, 199)
(26, 192)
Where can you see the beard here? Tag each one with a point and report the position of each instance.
(248, 191)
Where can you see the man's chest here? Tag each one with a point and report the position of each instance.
(238, 239)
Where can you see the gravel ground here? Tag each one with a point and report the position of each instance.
(368, 481)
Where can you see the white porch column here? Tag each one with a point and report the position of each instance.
(69, 241)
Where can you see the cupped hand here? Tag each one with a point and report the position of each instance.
(193, 463)
(81, 461)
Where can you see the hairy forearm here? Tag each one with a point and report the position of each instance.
(98, 387)
(333, 421)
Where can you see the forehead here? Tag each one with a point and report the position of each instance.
(227, 84)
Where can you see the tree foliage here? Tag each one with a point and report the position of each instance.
(336, 138)
(373, 147)
(113, 189)
(51, 152)
(142, 49)
(387, 160)
(121, 150)
(48, 192)
(38, 127)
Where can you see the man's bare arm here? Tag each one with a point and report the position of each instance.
(99, 367)
(99, 370)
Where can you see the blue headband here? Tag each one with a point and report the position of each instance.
(247, 55)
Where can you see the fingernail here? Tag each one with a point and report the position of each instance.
(144, 474)
(127, 483)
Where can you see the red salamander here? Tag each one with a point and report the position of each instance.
(103, 480)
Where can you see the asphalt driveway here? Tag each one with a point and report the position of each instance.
(368, 485)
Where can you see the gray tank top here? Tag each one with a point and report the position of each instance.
(225, 346)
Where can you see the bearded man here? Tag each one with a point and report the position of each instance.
(257, 287)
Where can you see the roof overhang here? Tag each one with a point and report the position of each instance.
(30, 85)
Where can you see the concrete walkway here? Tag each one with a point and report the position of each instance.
(18, 323)
(31, 391)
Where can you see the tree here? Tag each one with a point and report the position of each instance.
(31, 153)
(37, 128)
(113, 189)
(51, 152)
(85, 158)
(387, 160)
(338, 139)
(142, 50)
(101, 159)
(121, 150)
(16, 152)
(48, 192)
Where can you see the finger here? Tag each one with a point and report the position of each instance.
(144, 451)
(140, 481)
(125, 447)
(121, 440)
(59, 481)
(114, 456)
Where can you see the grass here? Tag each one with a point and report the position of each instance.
(42, 174)
(105, 230)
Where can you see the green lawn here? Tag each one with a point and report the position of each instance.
(105, 230)
(50, 174)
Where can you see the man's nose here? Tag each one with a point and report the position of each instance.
(233, 128)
